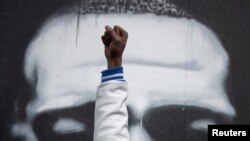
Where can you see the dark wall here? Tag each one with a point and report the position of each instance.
(19, 22)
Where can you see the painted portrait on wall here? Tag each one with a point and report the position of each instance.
(177, 68)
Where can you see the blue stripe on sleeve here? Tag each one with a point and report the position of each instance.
(113, 78)
(113, 74)
(112, 71)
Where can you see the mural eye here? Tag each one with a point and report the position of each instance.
(178, 123)
(67, 125)
(165, 123)
(201, 125)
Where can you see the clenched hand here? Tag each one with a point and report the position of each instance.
(114, 40)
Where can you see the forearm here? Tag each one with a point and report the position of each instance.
(111, 116)
(114, 63)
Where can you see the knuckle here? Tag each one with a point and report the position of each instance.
(116, 26)
(118, 41)
(125, 33)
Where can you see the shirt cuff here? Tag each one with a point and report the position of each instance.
(113, 74)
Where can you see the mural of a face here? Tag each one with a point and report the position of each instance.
(175, 69)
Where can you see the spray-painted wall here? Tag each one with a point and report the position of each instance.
(186, 63)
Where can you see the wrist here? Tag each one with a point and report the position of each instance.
(113, 63)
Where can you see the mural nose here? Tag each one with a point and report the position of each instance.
(138, 133)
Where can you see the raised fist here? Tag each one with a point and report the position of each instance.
(114, 40)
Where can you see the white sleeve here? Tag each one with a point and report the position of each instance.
(111, 116)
